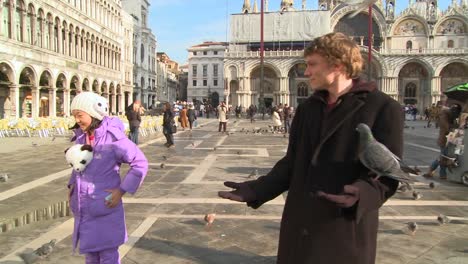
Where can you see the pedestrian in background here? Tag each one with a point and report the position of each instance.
(223, 117)
(447, 122)
(191, 116)
(275, 117)
(183, 117)
(286, 117)
(133, 113)
(95, 196)
(168, 125)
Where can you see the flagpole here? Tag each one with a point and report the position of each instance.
(369, 37)
(261, 99)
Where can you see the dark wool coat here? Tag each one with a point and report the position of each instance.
(323, 155)
(134, 118)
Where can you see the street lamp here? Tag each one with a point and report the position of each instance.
(262, 73)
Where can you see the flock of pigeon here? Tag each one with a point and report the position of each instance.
(374, 155)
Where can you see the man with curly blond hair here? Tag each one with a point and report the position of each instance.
(332, 208)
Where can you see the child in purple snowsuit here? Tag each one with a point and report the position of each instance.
(100, 223)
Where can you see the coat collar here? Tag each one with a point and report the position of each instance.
(348, 105)
(359, 87)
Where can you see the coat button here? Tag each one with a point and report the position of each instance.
(304, 232)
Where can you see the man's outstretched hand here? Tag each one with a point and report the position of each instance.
(347, 199)
(241, 193)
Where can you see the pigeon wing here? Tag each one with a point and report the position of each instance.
(379, 159)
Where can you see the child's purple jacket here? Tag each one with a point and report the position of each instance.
(96, 226)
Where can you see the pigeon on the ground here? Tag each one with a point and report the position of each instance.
(253, 174)
(214, 148)
(443, 219)
(417, 195)
(403, 188)
(238, 152)
(3, 177)
(162, 165)
(34, 144)
(164, 157)
(53, 138)
(411, 228)
(29, 258)
(378, 158)
(361, 5)
(193, 144)
(432, 185)
(209, 219)
(46, 249)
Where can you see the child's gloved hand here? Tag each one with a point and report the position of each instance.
(115, 197)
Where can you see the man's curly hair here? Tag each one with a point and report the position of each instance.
(338, 48)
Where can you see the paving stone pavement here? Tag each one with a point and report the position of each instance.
(165, 217)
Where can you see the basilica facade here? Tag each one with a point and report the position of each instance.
(415, 54)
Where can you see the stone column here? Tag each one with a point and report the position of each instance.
(14, 99)
(53, 102)
(122, 103)
(66, 102)
(35, 92)
(1, 17)
(114, 104)
(436, 89)
(72, 45)
(88, 51)
(101, 55)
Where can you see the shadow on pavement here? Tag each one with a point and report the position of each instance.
(198, 254)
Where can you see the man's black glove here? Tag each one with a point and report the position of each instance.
(242, 192)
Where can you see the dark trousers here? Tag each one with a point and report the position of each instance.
(222, 124)
(190, 123)
(169, 136)
(287, 126)
(133, 135)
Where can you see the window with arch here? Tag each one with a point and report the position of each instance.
(410, 90)
(39, 28)
(302, 90)
(6, 19)
(142, 53)
(19, 21)
(30, 25)
(450, 44)
(409, 45)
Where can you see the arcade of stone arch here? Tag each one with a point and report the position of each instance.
(29, 93)
(416, 56)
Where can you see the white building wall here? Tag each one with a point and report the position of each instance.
(206, 83)
(86, 51)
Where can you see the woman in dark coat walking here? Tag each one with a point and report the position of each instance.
(191, 116)
(332, 209)
(168, 125)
